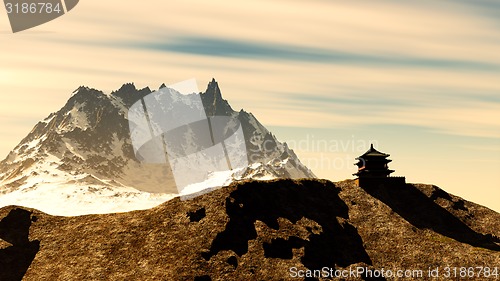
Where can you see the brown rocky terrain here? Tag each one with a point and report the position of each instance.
(258, 231)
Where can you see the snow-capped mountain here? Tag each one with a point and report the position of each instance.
(80, 159)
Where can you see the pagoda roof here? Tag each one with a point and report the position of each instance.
(373, 152)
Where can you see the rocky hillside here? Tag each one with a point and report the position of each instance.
(253, 230)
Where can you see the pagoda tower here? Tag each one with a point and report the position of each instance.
(373, 168)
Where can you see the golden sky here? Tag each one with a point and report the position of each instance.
(418, 77)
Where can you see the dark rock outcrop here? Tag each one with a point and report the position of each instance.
(256, 231)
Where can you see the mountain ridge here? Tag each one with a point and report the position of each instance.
(85, 149)
(260, 230)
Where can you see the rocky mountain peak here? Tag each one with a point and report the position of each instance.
(87, 146)
(129, 94)
(213, 102)
(127, 87)
(83, 94)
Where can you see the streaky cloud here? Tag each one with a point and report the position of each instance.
(227, 48)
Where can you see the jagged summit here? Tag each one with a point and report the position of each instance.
(81, 94)
(129, 94)
(80, 159)
(128, 87)
(213, 102)
(81, 88)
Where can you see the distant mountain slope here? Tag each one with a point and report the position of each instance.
(80, 159)
(257, 231)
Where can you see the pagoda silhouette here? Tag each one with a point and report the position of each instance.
(373, 169)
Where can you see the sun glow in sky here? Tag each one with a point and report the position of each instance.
(419, 78)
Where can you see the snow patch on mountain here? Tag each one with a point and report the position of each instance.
(73, 198)
(75, 118)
